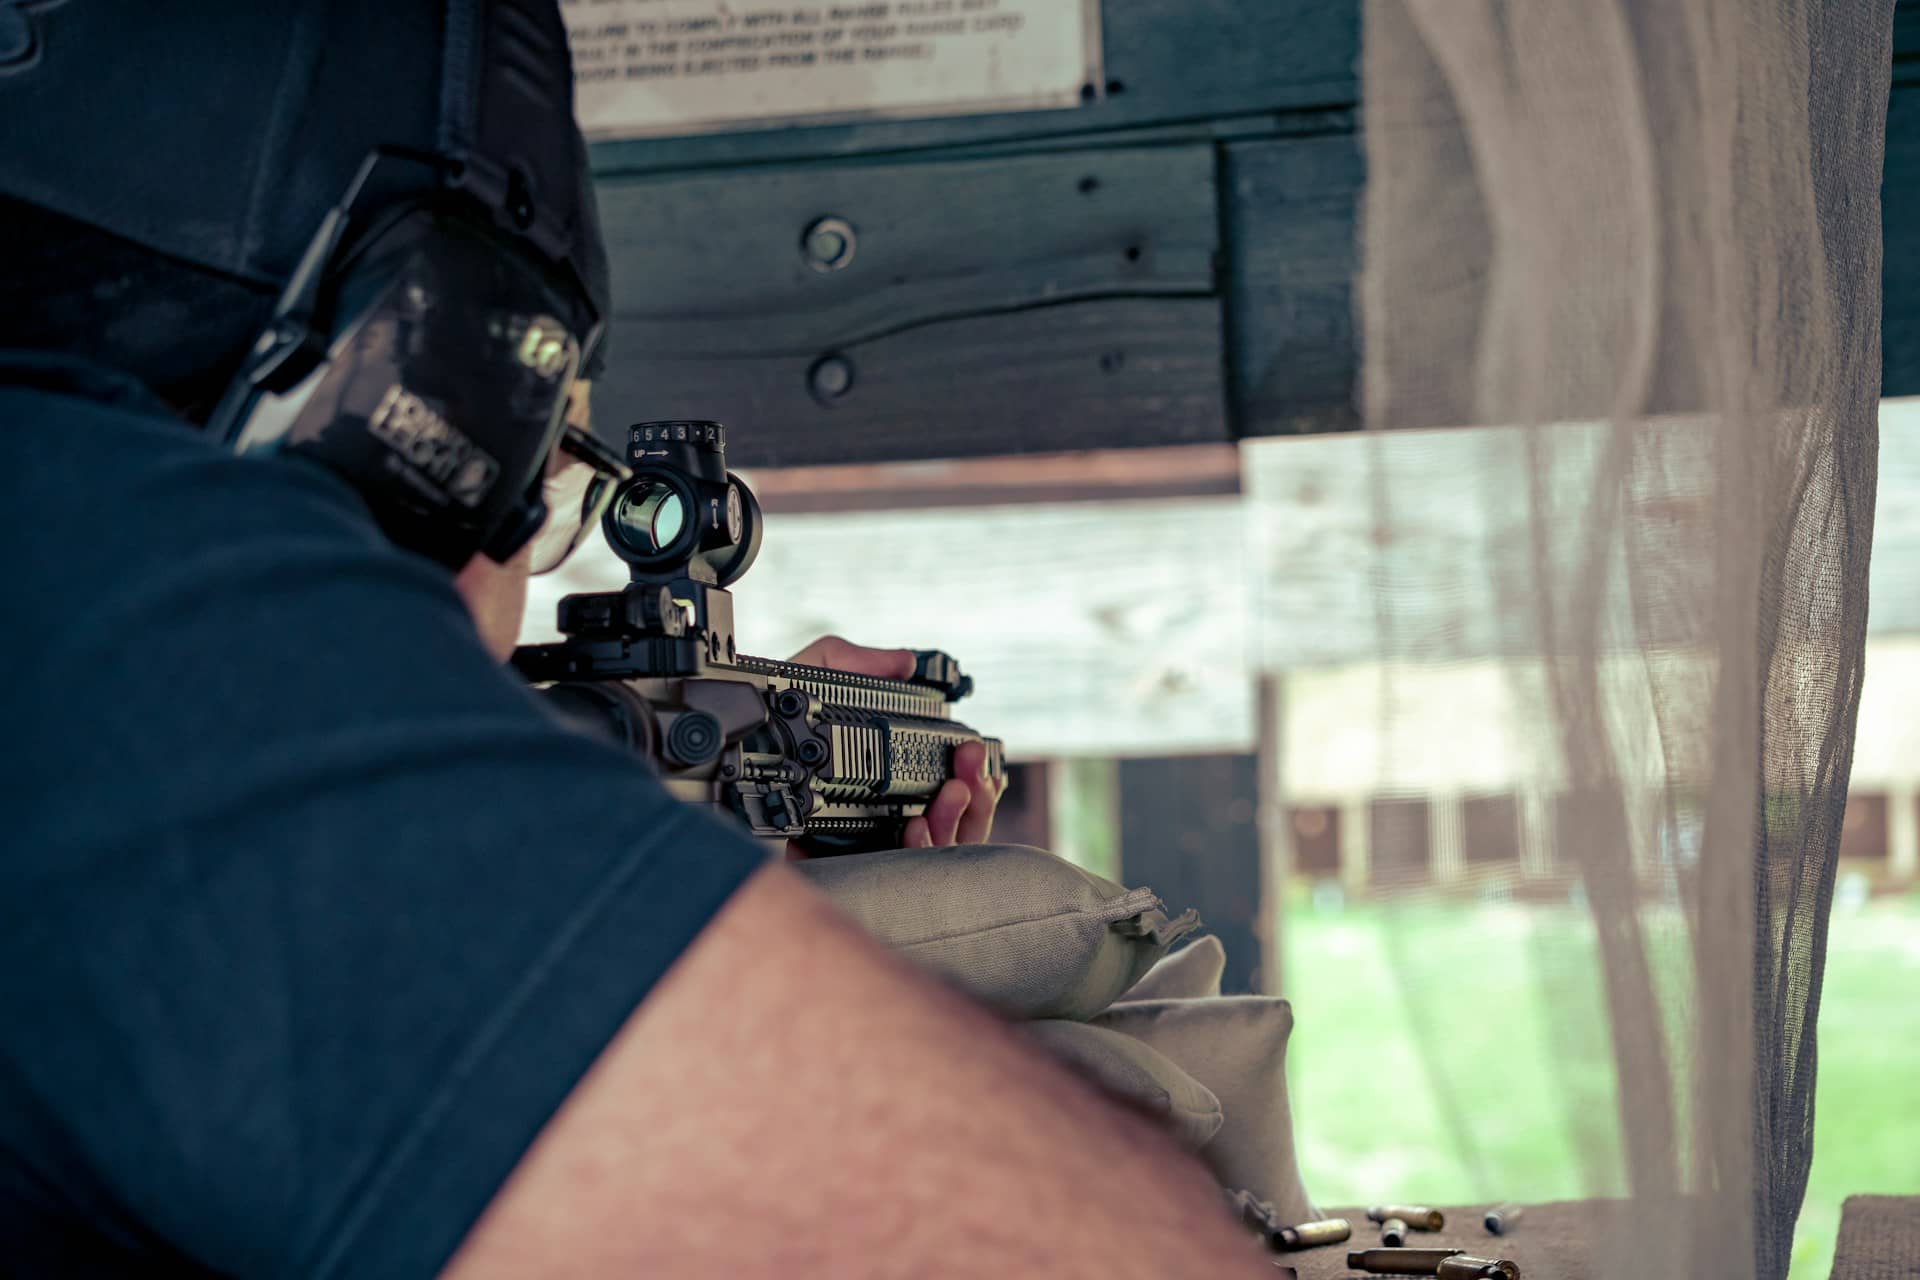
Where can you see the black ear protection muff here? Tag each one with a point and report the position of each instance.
(424, 353)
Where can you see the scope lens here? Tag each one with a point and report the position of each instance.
(648, 516)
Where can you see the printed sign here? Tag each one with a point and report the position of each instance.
(650, 67)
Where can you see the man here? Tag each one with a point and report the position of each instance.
(324, 951)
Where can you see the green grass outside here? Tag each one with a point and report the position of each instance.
(1511, 995)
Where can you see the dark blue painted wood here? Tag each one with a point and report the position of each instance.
(1900, 273)
(991, 306)
(1291, 211)
(1003, 304)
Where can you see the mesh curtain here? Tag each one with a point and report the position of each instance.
(1642, 237)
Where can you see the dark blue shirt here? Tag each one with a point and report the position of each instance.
(310, 916)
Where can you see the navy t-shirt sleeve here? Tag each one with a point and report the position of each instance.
(310, 916)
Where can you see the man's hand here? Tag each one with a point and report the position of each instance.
(962, 811)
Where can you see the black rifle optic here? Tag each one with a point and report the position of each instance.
(839, 761)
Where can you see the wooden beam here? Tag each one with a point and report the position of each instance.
(1093, 375)
(1290, 210)
(1092, 475)
(990, 306)
(1272, 832)
(1900, 269)
(711, 264)
(1906, 42)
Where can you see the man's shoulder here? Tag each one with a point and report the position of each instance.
(198, 623)
(313, 914)
(46, 430)
(51, 428)
(63, 411)
(107, 495)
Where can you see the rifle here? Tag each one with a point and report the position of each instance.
(835, 760)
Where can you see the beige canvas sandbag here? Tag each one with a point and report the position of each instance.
(1020, 929)
(1193, 970)
(1134, 1072)
(1236, 1046)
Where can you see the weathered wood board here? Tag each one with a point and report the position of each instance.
(973, 386)
(1906, 42)
(711, 264)
(1101, 629)
(1900, 218)
(1292, 235)
(998, 305)
(1105, 475)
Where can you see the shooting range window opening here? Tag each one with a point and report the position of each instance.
(1316, 839)
(1491, 828)
(1863, 832)
(1400, 830)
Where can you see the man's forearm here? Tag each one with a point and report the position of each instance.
(793, 1100)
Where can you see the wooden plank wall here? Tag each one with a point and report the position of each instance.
(1026, 282)
(1169, 263)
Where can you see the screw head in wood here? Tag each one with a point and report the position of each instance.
(828, 244)
(830, 378)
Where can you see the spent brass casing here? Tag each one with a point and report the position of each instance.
(1461, 1267)
(1501, 1217)
(1309, 1234)
(1393, 1232)
(1400, 1262)
(1419, 1217)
